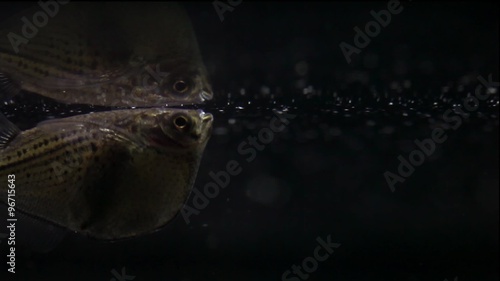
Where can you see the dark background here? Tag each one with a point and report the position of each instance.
(431, 43)
(324, 174)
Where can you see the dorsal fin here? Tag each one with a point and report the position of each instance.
(8, 87)
(8, 131)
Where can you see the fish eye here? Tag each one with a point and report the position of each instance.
(180, 122)
(180, 86)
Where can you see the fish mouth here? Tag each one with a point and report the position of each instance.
(201, 132)
(206, 120)
(205, 117)
(206, 95)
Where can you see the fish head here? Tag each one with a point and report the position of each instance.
(183, 83)
(174, 129)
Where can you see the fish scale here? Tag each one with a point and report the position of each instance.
(72, 57)
(108, 175)
(30, 153)
(55, 69)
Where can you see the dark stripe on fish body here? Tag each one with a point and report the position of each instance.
(34, 69)
(44, 173)
(54, 151)
(56, 49)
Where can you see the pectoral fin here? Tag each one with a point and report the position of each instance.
(8, 87)
(8, 131)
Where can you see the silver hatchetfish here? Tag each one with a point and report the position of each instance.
(104, 53)
(107, 175)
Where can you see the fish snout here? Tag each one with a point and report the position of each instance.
(205, 117)
(206, 94)
(204, 126)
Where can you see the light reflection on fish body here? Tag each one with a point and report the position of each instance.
(109, 54)
(108, 175)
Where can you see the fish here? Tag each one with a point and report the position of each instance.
(130, 54)
(106, 175)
